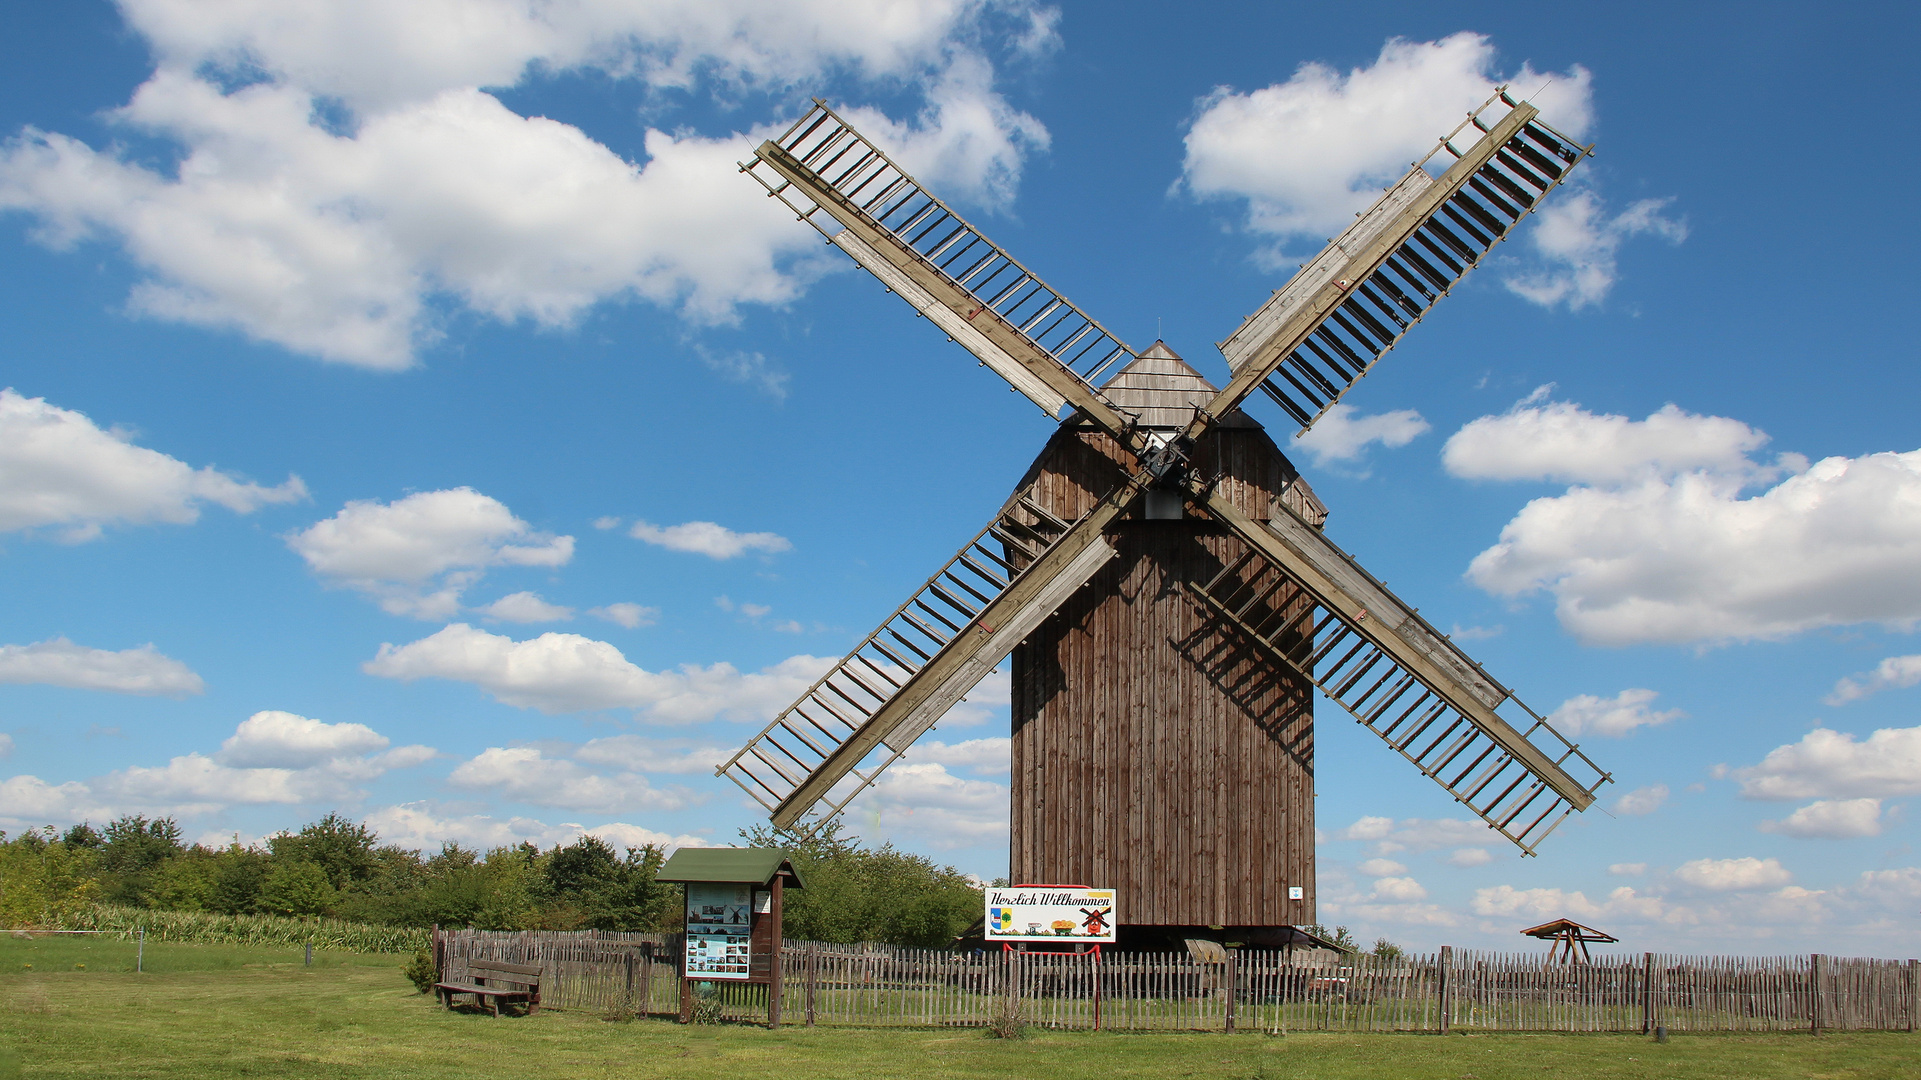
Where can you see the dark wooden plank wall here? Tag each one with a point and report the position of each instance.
(1152, 752)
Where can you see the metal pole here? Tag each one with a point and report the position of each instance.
(309, 954)
(140, 954)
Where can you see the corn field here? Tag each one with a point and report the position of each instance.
(269, 931)
(880, 986)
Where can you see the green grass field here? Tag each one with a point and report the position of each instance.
(212, 1012)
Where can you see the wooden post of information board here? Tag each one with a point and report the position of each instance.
(776, 956)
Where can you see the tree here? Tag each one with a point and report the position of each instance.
(854, 893)
(296, 887)
(237, 878)
(44, 883)
(342, 848)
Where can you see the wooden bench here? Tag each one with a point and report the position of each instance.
(492, 982)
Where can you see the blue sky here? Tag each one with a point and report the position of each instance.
(353, 354)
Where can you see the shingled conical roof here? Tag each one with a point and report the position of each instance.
(1163, 391)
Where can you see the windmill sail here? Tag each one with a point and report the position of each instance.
(1303, 601)
(971, 288)
(1329, 325)
(921, 661)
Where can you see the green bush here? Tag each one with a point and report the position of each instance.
(421, 971)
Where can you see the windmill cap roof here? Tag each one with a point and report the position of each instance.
(1163, 391)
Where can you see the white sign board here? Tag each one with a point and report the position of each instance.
(1062, 913)
(717, 930)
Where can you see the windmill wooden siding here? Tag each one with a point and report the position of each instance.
(1153, 752)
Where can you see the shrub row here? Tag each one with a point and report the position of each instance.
(210, 928)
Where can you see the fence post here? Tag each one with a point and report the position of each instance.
(1011, 984)
(628, 964)
(1647, 993)
(1229, 968)
(813, 977)
(440, 956)
(1815, 970)
(1446, 989)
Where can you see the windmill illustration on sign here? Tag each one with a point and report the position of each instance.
(1160, 576)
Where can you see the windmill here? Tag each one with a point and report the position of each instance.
(1160, 576)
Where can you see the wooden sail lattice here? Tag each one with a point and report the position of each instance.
(830, 727)
(866, 183)
(1424, 719)
(1488, 189)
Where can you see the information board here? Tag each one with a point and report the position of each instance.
(717, 930)
(1062, 913)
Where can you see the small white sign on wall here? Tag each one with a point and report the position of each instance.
(1295, 892)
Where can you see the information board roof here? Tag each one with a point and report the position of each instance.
(756, 865)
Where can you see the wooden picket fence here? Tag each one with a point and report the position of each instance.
(880, 986)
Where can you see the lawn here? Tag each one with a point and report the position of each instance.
(207, 1012)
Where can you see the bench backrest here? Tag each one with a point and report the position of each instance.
(498, 971)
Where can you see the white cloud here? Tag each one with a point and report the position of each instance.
(559, 673)
(631, 616)
(750, 368)
(1397, 890)
(989, 755)
(526, 607)
(1642, 801)
(1381, 868)
(1894, 672)
(1506, 901)
(418, 554)
(1829, 764)
(1561, 441)
(1414, 834)
(709, 539)
(282, 740)
(1728, 875)
(1830, 819)
(1470, 857)
(1341, 434)
(523, 774)
(357, 180)
(606, 522)
(59, 662)
(1689, 559)
(925, 802)
(1307, 154)
(1577, 243)
(1628, 869)
(418, 826)
(6, 745)
(273, 758)
(1614, 717)
(650, 755)
(58, 470)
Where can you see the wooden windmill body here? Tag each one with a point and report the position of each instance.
(1160, 576)
(1152, 753)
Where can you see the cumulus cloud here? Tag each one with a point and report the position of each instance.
(1728, 875)
(636, 753)
(1628, 869)
(1614, 717)
(523, 774)
(924, 802)
(342, 179)
(989, 755)
(1561, 441)
(1682, 554)
(1381, 868)
(1309, 153)
(1506, 901)
(709, 539)
(420, 826)
(1895, 672)
(631, 616)
(1829, 764)
(1391, 837)
(1342, 434)
(272, 758)
(1576, 242)
(1830, 819)
(526, 607)
(1470, 857)
(418, 554)
(559, 673)
(59, 662)
(60, 471)
(1397, 890)
(1642, 800)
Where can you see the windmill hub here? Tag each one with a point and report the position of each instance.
(1160, 577)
